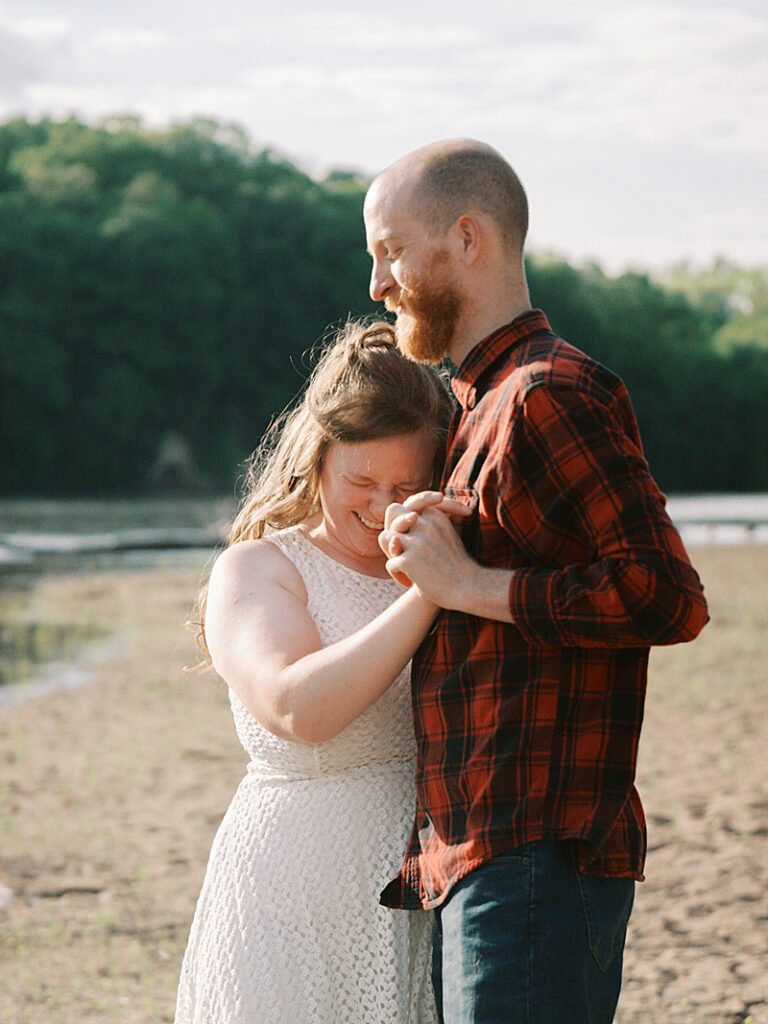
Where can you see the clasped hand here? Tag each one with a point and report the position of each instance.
(423, 547)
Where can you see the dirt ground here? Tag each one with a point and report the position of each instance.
(110, 795)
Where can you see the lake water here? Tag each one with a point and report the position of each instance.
(86, 537)
(140, 532)
(132, 532)
(721, 518)
(38, 537)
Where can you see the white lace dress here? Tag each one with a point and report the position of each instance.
(288, 928)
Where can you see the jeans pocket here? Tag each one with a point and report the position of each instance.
(607, 904)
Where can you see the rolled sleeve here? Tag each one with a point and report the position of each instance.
(576, 468)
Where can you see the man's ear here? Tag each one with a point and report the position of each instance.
(469, 235)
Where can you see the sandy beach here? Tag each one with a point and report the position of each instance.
(110, 794)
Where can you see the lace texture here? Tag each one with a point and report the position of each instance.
(288, 928)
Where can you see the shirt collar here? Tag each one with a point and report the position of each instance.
(487, 351)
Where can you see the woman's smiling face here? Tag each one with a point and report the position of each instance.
(357, 482)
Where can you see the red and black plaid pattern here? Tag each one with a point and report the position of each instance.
(530, 731)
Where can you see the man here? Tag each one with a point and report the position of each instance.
(528, 694)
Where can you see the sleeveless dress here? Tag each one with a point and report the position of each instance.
(288, 928)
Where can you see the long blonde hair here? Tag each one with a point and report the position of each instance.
(362, 389)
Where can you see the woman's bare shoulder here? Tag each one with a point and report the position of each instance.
(251, 563)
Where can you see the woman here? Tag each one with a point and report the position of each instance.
(314, 639)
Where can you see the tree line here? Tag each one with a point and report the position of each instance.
(171, 282)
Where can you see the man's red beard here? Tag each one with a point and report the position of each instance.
(427, 324)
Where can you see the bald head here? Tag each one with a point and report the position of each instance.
(446, 180)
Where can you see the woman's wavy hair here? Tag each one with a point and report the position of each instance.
(362, 389)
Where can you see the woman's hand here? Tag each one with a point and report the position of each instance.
(400, 518)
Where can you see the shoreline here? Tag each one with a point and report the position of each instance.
(54, 676)
(35, 530)
(111, 793)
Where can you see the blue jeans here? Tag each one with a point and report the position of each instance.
(526, 939)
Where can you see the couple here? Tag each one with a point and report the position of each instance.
(543, 566)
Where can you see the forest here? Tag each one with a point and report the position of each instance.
(171, 283)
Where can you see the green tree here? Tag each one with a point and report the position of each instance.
(174, 281)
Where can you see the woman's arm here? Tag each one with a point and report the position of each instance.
(265, 645)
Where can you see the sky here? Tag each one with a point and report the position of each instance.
(639, 128)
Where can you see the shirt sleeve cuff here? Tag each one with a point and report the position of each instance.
(532, 605)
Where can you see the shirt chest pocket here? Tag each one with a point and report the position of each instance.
(468, 497)
(469, 527)
(483, 535)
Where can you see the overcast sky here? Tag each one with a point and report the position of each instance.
(638, 127)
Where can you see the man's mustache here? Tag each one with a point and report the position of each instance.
(391, 305)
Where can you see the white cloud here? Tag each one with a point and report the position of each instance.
(328, 35)
(354, 90)
(122, 40)
(649, 73)
(227, 34)
(383, 34)
(738, 227)
(665, 102)
(61, 99)
(18, 66)
(29, 48)
(41, 28)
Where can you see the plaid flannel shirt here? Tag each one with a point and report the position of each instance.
(529, 731)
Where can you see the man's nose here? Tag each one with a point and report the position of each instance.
(381, 281)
